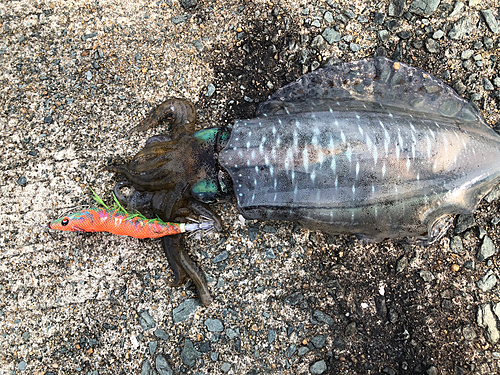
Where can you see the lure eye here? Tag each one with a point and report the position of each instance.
(65, 222)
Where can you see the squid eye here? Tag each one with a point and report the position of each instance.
(65, 222)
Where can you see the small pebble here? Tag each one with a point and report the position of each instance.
(438, 34)
(432, 45)
(146, 320)
(487, 282)
(318, 341)
(488, 86)
(486, 250)
(22, 365)
(214, 325)
(354, 47)
(461, 28)
(486, 319)
(331, 35)
(469, 333)
(210, 90)
(328, 17)
(491, 21)
(188, 3)
(423, 7)
(22, 181)
(427, 276)
(223, 255)
(185, 309)
(455, 267)
(189, 353)
(318, 367)
(162, 366)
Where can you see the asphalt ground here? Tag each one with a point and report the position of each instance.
(77, 76)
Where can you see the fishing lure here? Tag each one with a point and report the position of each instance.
(117, 221)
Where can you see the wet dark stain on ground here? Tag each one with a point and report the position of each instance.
(264, 57)
(405, 329)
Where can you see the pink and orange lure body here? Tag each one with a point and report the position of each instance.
(117, 222)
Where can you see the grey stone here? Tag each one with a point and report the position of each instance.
(456, 245)
(146, 320)
(88, 75)
(469, 333)
(438, 34)
(331, 35)
(351, 329)
(383, 35)
(152, 347)
(176, 20)
(487, 282)
(457, 9)
(22, 365)
(486, 250)
(486, 320)
(460, 89)
(490, 20)
(302, 350)
(162, 365)
(318, 367)
(294, 298)
(318, 341)
(432, 370)
(323, 318)
(188, 3)
(185, 309)
(223, 255)
(427, 276)
(189, 353)
(22, 181)
(146, 368)
(424, 7)
(401, 264)
(290, 350)
(461, 28)
(318, 43)
(316, 23)
(210, 90)
(432, 45)
(396, 7)
(226, 366)
(328, 18)
(488, 86)
(162, 334)
(231, 333)
(354, 47)
(214, 325)
(464, 222)
(467, 54)
(271, 336)
(269, 253)
(470, 265)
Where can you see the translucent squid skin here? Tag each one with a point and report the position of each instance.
(374, 148)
